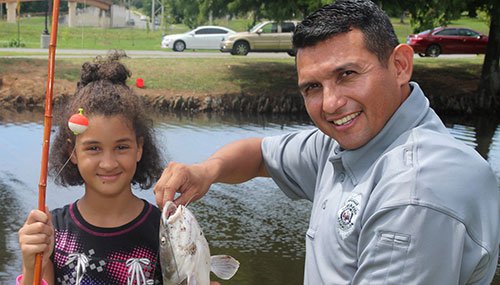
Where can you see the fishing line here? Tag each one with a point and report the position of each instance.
(64, 165)
(77, 123)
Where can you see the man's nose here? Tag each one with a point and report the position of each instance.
(332, 99)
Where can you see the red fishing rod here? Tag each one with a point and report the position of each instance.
(42, 185)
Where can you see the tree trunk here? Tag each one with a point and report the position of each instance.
(488, 98)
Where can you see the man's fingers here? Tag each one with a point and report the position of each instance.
(179, 178)
(159, 189)
(187, 197)
(164, 194)
(168, 185)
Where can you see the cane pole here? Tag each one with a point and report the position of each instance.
(42, 185)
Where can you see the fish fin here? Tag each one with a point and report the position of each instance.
(191, 280)
(224, 266)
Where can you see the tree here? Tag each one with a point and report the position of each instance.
(427, 14)
(489, 86)
(242, 7)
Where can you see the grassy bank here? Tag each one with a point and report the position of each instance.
(245, 75)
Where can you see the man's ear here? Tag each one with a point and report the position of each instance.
(403, 62)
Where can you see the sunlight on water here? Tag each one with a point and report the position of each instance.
(464, 133)
(494, 152)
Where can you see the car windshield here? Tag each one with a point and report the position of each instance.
(257, 27)
(424, 32)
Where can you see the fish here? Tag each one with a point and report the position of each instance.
(184, 251)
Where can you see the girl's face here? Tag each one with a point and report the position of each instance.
(107, 154)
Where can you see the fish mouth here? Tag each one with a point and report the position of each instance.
(171, 213)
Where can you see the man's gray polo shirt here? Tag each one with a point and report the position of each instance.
(412, 206)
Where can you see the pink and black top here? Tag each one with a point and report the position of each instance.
(86, 254)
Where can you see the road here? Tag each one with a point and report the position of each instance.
(77, 53)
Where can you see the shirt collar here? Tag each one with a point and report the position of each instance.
(408, 115)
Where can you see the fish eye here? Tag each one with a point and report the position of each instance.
(163, 240)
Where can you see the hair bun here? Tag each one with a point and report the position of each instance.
(105, 68)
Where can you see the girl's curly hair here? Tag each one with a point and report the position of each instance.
(102, 90)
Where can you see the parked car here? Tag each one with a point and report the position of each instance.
(203, 37)
(264, 37)
(448, 40)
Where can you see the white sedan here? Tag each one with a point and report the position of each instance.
(203, 37)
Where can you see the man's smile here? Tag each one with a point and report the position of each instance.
(345, 120)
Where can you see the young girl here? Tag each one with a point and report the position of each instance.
(108, 236)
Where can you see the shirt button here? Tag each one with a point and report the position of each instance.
(324, 204)
(341, 177)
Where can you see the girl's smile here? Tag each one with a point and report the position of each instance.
(107, 154)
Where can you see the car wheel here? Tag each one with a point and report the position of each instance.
(179, 46)
(240, 48)
(422, 54)
(291, 52)
(433, 51)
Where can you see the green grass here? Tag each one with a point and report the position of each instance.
(97, 38)
(404, 29)
(212, 76)
(475, 24)
(401, 29)
(143, 39)
(81, 37)
(238, 74)
(216, 76)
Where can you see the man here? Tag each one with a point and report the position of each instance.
(396, 199)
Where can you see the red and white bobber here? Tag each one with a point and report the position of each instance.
(78, 123)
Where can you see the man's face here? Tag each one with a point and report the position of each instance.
(348, 93)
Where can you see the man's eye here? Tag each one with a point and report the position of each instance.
(310, 88)
(347, 73)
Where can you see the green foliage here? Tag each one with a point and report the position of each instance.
(15, 44)
(427, 14)
(187, 12)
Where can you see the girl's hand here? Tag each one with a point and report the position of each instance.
(36, 236)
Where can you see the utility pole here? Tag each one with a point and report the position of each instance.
(46, 30)
(155, 12)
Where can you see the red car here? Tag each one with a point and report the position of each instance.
(447, 40)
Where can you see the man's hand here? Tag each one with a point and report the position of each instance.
(191, 181)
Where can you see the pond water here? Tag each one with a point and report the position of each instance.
(254, 222)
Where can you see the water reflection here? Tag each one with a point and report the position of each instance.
(11, 217)
(494, 152)
(262, 228)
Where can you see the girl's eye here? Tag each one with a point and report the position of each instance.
(122, 147)
(92, 148)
